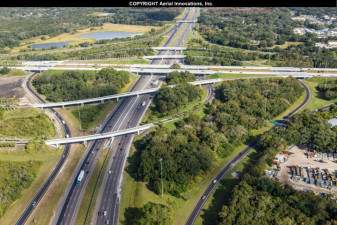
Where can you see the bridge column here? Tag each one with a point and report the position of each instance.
(138, 132)
(82, 104)
(117, 99)
(63, 107)
(57, 145)
(85, 143)
(137, 95)
(102, 101)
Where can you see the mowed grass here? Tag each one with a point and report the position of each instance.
(76, 40)
(316, 101)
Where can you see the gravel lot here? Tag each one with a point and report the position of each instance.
(299, 158)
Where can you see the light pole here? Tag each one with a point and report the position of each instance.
(161, 175)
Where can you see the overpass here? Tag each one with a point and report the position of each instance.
(186, 21)
(111, 134)
(146, 91)
(169, 48)
(91, 100)
(164, 57)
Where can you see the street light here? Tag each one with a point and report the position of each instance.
(161, 175)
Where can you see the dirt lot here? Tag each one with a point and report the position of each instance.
(11, 86)
(299, 158)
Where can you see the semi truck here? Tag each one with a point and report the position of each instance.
(80, 177)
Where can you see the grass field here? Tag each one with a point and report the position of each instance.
(316, 101)
(76, 40)
(49, 160)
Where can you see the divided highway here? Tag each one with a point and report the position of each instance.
(224, 171)
(128, 113)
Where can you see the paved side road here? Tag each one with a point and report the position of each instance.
(194, 215)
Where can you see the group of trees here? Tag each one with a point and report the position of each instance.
(259, 200)
(176, 77)
(170, 100)
(329, 89)
(14, 178)
(192, 148)
(4, 70)
(150, 214)
(74, 85)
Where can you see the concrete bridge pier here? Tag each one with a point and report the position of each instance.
(85, 143)
(102, 101)
(63, 107)
(117, 99)
(82, 104)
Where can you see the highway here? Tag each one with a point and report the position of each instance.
(59, 165)
(193, 216)
(110, 192)
(127, 113)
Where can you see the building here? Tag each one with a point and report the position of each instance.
(333, 122)
(332, 43)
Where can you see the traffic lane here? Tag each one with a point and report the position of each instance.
(211, 187)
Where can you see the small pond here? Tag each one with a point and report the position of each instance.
(50, 45)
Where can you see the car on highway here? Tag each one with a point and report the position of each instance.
(109, 171)
(34, 204)
(104, 213)
(203, 197)
(231, 164)
(99, 213)
(214, 181)
(107, 222)
(143, 103)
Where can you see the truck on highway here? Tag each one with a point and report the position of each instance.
(80, 177)
(154, 83)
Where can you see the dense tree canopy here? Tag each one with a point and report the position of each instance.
(194, 146)
(73, 85)
(176, 77)
(169, 100)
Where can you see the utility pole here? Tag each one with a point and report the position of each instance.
(161, 175)
(265, 105)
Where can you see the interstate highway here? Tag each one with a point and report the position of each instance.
(124, 115)
(110, 193)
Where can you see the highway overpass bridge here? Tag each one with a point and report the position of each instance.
(164, 57)
(85, 139)
(146, 91)
(169, 48)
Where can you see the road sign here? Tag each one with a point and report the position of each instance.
(274, 122)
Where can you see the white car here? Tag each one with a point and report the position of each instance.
(104, 213)
(214, 181)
